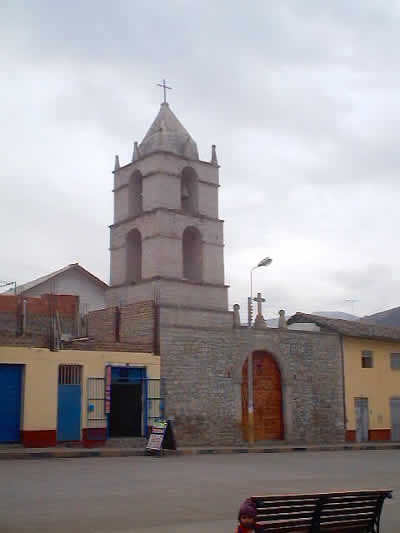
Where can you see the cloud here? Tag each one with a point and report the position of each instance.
(300, 98)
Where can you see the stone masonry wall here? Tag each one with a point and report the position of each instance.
(131, 325)
(202, 371)
(102, 324)
(312, 378)
(137, 325)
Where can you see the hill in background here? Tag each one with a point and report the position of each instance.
(391, 317)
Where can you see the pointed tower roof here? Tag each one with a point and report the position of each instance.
(168, 135)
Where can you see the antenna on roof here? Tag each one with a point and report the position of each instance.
(352, 302)
(9, 284)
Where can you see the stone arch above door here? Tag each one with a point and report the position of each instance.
(262, 343)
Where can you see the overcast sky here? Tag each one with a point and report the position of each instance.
(301, 98)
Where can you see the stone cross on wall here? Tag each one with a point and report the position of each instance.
(259, 321)
(260, 300)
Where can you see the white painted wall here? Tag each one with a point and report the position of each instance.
(76, 283)
(305, 327)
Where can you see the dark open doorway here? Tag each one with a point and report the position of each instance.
(126, 410)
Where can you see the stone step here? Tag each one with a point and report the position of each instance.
(70, 444)
(127, 442)
(261, 443)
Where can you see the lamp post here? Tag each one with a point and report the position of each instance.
(263, 263)
(250, 404)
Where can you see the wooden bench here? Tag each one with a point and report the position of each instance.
(330, 512)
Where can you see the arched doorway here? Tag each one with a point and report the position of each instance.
(268, 420)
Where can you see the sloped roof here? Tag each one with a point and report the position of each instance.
(390, 317)
(349, 328)
(21, 289)
(167, 134)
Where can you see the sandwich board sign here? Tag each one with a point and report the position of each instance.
(161, 437)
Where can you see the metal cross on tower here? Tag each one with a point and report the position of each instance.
(164, 86)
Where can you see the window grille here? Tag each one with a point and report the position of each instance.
(395, 361)
(69, 375)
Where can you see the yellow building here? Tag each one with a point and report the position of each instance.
(74, 395)
(372, 385)
(371, 370)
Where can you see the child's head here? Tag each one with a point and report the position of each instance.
(248, 514)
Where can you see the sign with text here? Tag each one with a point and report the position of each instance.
(161, 437)
(107, 389)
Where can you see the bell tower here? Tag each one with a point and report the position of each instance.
(166, 238)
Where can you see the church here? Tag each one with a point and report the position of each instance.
(161, 340)
(167, 246)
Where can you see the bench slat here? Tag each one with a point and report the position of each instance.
(334, 502)
(300, 528)
(288, 501)
(354, 498)
(278, 519)
(283, 516)
(325, 515)
(304, 522)
(339, 526)
(348, 512)
(331, 506)
(328, 507)
(342, 518)
(286, 508)
(286, 528)
(317, 495)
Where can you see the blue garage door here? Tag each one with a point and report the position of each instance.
(69, 403)
(10, 402)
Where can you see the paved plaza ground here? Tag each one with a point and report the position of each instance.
(177, 494)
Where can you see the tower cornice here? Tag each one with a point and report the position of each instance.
(164, 210)
(165, 173)
(171, 154)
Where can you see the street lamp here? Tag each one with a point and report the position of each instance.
(250, 404)
(263, 263)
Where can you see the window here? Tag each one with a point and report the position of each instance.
(135, 194)
(123, 374)
(69, 374)
(395, 361)
(367, 359)
(189, 191)
(192, 254)
(133, 256)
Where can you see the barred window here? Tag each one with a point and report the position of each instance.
(367, 359)
(69, 374)
(395, 361)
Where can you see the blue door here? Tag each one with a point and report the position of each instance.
(69, 403)
(10, 402)
(128, 414)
